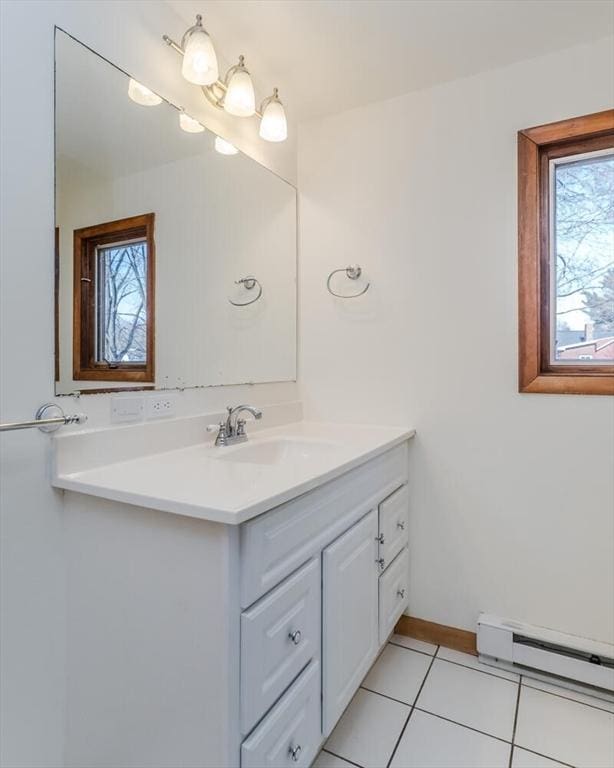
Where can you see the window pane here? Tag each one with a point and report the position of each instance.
(583, 258)
(122, 303)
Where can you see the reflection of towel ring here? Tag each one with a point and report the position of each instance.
(353, 272)
(249, 283)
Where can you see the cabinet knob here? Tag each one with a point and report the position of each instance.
(401, 525)
(380, 538)
(295, 752)
(401, 593)
(296, 639)
(381, 563)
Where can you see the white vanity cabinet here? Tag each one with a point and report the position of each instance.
(209, 643)
(333, 566)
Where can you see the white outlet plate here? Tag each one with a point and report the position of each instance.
(160, 406)
(126, 408)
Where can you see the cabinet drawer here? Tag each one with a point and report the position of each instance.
(275, 544)
(394, 524)
(280, 634)
(393, 594)
(290, 734)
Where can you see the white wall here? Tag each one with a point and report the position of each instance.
(512, 502)
(32, 694)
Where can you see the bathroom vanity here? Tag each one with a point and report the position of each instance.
(225, 603)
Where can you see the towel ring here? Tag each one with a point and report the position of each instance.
(249, 283)
(353, 272)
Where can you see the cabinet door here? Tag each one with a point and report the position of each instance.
(350, 615)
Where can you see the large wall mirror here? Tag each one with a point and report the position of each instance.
(175, 263)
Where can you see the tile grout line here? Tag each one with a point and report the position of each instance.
(398, 741)
(515, 720)
(334, 754)
(415, 650)
(460, 664)
(462, 725)
(385, 696)
(492, 674)
(554, 759)
(568, 698)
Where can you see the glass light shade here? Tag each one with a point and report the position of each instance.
(240, 99)
(189, 124)
(273, 126)
(199, 59)
(224, 147)
(142, 95)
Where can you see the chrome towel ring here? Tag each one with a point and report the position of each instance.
(249, 283)
(353, 272)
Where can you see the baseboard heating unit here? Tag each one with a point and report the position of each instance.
(536, 651)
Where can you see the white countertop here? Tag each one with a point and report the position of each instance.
(205, 482)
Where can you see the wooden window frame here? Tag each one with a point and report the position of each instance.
(85, 366)
(536, 146)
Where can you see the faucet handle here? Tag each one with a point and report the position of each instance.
(222, 433)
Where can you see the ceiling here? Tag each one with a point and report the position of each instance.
(330, 55)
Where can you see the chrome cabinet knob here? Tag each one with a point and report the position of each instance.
(380, 538)
(381, 563)
(401, 525)
(295, 752)
(296, 638)
(401, 593)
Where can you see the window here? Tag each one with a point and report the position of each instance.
(113, 301)
(566, 256)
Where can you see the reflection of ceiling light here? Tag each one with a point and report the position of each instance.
(225, 147)
(273, 125)
(142, 95)
(240, 99)
(189, 125)
(199, 59)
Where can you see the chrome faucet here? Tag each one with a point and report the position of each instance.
(232, 430)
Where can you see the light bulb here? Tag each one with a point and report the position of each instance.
(240, 99)
(142, 95)
(273, 126)
(189, 124)
(224, 147)
(199, 59)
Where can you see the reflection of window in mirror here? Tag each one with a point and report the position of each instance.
(113, 337)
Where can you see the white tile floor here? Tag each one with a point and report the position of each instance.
(423, 706)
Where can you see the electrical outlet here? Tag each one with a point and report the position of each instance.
(160, 406)
(125, 408)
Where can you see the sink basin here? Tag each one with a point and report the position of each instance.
(278, 451)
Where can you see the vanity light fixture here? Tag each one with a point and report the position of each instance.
(140, 94)
(235, 93)
(225, 147)
(199, 58)
(189, 124)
